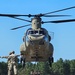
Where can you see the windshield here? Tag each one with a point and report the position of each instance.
(32, 32)
(36, 32)
(41, 32)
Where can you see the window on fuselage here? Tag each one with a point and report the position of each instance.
(41, 32)
(36, 32)
(32, 32)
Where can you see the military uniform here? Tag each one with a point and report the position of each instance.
(12, 63)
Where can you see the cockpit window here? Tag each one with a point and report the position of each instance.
(41, 32)
(30, 32)
(33, 32)
(36, 32)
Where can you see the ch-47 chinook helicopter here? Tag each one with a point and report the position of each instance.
(37, 46)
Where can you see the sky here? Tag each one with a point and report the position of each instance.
(64, 33)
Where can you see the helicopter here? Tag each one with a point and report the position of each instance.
(37, 44)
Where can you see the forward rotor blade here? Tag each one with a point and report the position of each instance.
(56, 15)
(59, 10)
(60, 21)
(21, 19)
(20, 27)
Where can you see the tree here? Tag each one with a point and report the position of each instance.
(66, 67)
(72, 67)
(3, 68)
(60, 67)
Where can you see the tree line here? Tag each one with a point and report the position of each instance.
(61, 67)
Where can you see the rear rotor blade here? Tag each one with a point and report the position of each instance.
(16, 15)
(59, 10)
(36, 15)
(60, 21)
(13, 15)
(20, 27)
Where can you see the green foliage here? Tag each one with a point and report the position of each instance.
(72, 67)
(61, 67)
(3, 68)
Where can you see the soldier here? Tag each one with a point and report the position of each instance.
(12, 63)
(10, 72)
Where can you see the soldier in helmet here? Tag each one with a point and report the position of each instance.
(12, 63)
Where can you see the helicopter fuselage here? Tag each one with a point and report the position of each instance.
(36, 46)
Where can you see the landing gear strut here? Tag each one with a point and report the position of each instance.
(51, 60)
(22, 61)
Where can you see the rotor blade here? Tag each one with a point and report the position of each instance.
(59, 10)
(21, 19)
(12, 15)
(16, 15)
(60, 21)
(56, 15)
(20, 27)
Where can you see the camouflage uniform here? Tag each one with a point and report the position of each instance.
(12, 63)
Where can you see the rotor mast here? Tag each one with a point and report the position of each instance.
(36, 23)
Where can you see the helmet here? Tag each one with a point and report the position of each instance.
(13, 52)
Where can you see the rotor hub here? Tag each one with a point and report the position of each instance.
(36, 23)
